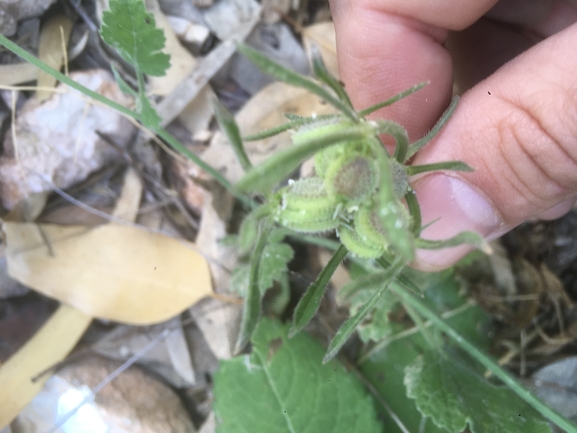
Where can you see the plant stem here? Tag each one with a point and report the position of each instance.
(484, 360)
(126, 111)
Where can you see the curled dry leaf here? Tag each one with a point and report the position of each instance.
(116, 272)
(51, 50)
(49, 346)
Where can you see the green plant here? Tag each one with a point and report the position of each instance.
(360, 190)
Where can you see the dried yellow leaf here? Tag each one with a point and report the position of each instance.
(116, 272)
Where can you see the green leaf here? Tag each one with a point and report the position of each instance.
(131, 30)
(453, 394)
(347, 328)
(415, 212)
(251, 310)
(284, 388)
(230, 128)
(274, 263)
(382, 365)
(392, 100)
(290, 77)
(122, 85)
(323, 75)
(376, 325)
(273, 266)
(417, 145)
(149, 116)
(306, 143)
(310, 302)
(295, 122)
(445, 165)
(469, 238)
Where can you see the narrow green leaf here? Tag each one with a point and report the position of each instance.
(271, 132)
(131, 30)
(251, 310)
(398, 133)
(122, 85)
(445, 165)
(290, 77)
(306, 143)
(149, 117)
(295, 122)
(347, 328)
(283, 387)
(368, 281)
(470, 238)
(392, 100)
(452, 393)
(310, 302)
(229, 126)
(414, 211)
(292, 116)
(324, 76)
(417, 145)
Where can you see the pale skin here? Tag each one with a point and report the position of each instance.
(516, 124)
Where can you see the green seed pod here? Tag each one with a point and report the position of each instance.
(396, 222)
(351, 178)
(325, 157)
(369, 227)
(305, 206)
(352, 241)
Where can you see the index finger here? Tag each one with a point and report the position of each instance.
(387, 46)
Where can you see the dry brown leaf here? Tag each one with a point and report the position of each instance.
(51, 49)
(116, 272)
(264, 110)
(49, 346)
(323, 34)
(17, 73)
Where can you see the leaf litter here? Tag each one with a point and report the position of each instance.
(218, 319)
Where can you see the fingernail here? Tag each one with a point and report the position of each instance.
(457, 207)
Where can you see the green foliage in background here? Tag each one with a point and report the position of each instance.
(283, 386)
(429, 374)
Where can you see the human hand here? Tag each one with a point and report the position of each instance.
(517, 127)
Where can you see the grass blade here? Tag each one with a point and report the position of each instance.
(346, 330)
(251, 310)
(445, 165)
(310, 302)
(230, 128)
(290, 77)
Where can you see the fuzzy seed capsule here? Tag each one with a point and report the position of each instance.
(352, 241)
(305, 206)
(351, 178)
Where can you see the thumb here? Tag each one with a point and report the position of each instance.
(518, 130)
